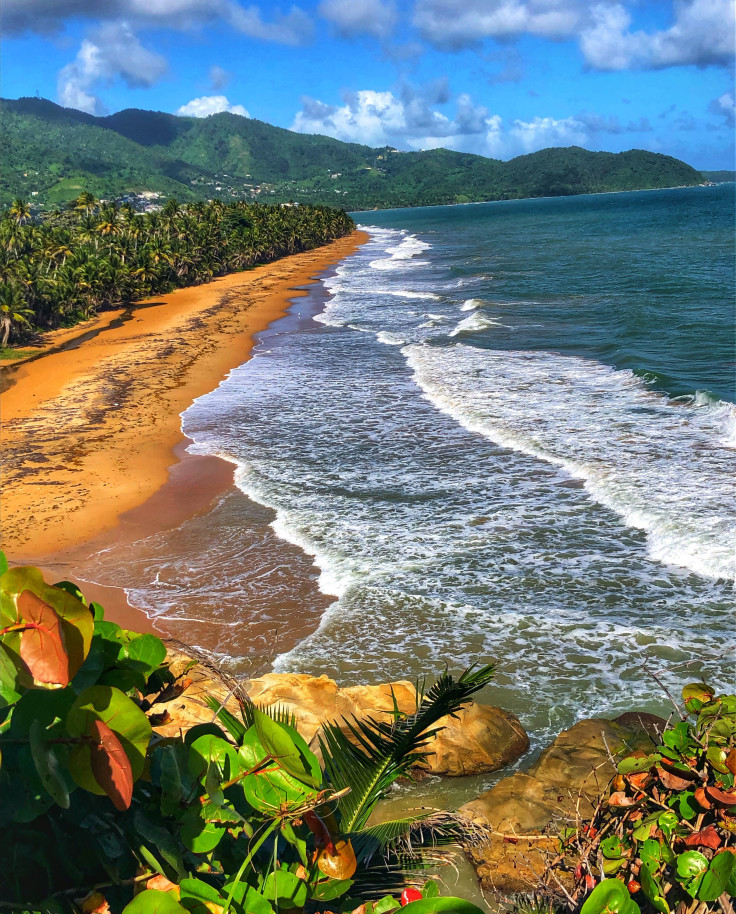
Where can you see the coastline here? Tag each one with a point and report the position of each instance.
(98, 423)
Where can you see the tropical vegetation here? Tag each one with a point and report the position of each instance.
(664, 838)
(92, 255)
(100, 813)
(55, 153)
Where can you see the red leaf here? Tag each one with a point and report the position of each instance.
(708, 837)
(110, 765)
(42, 642)
(322, 836)
(724, 798)
(619, 798)
(731, 761)
(701, 799)
(671, 781)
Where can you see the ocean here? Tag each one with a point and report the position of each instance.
(499, 432)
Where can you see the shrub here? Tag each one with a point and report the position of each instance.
(98, 811)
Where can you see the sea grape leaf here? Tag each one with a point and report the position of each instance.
(110, 765)
(691, 867)
(288, 748)
(152, 901)
(635, 764)
(198, 835)
(269, 789)
(285, 889)
(3, 563)
(146, 653)
(47, 765)
(653, 890)
(171, 772)
(446, 904)
(329, 889)
(249, 899)
(162, 840)
(126, 720)
(60, 625)
(200, 898)
(608, 897)
(718, 876)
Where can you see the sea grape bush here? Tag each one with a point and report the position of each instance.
(664, 840)
(99, 813)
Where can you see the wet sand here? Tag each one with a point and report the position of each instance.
(93, 452)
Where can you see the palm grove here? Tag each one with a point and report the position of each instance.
(96, 255)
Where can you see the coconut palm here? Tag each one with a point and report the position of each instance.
(13, 310)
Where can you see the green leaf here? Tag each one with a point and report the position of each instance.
(47, 766)
(653, 890)
(231, 723)
(691, 868)
(686, 804)
(154, 902)
(213, 760)
(668, 822)
(718, 878)
(198, 835)
(3, 563)
(286, 746)
(430, 889)
(446, 904)
(271, 788)
(170, 769)
(634, 765)
(193, 733)
(285, 889)
(329, 889)
(249, 899)
(385, 904)
(161, 839)
(122, 716)
(608, 897)
(146, 653)
(199, 897)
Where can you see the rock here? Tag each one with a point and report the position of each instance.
(561, 788)
(481, 738)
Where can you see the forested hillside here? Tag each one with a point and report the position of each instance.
(51, 154)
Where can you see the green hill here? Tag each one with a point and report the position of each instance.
(50, 154)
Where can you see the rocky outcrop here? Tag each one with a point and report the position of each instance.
(526, 811)
(480, 738)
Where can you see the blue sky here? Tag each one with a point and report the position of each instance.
(495, 77)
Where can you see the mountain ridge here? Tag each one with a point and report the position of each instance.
(50, 154)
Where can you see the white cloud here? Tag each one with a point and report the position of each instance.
(210, 104)
(541, 132)
(47, 16)
(355, 17)
(112, 52)
(702, 35)
(448, 24)
(382, 118)
(725, 105)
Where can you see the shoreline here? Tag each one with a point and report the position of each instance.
(99, 423)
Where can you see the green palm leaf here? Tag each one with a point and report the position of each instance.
(380, 752)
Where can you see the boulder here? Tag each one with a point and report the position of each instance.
(525, 812)
(480, 738)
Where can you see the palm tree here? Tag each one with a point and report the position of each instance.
(20, 211)
(13, 310)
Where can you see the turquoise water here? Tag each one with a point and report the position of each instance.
(508, 433)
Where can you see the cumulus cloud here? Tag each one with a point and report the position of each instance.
(702, 34)
(725, 106)
(383, 118)
(408, 118)
(219, 78)
(447, 24)
(111, 52)
(356, 17)
(210, 104)
(47, 16)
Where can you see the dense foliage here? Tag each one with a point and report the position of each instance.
(664, 839)
(92, 256)
(56, 152)
(99, 813)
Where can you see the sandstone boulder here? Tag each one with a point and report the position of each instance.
(526, 811)
(481, 738)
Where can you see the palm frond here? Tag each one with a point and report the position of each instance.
(376, 753)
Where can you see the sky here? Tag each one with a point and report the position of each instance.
(495, 77)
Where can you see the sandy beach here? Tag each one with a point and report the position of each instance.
(93, 452)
